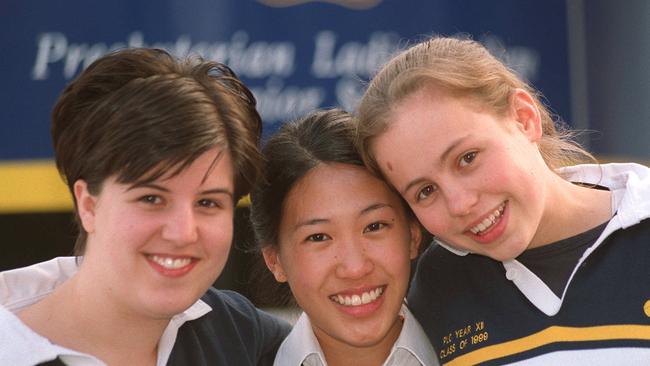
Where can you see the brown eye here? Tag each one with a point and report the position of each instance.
(207, 203)
(318, 237)
(375, 226)
(151, 199)
(468, 158)
(425, 192)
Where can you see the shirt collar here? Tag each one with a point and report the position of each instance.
(22, 287)
(25, 286)
(628, 182)
(414, 340)
(629, 185)
(301, 344)
(197, 310)
(24, 347)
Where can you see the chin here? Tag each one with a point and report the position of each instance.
(166, 309)
(169, 311)
(363, 341)
(366, 337)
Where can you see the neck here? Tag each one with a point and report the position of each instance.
(570, 210)
(340, 353)
(83, 317)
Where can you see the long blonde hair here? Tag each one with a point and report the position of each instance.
(460, 68)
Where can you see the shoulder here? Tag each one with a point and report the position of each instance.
(233, 332)
(300, 345)
(19, 344)
(628, 238)
(24, 286)
(436, 254)
(414, 340)
(443, 279)
(641, 229)
(233, 308)
(228, 300)
(437, 261)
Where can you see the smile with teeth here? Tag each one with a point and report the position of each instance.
(489, 221)
(171, 263)
(357, 300)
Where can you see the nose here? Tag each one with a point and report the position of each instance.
(353, 261)
(460, 199)
(180, 226)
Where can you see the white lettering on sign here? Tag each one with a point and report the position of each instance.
(351, 58)
(269, 66)
(249, 59)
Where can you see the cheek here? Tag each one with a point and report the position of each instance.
(303, 287)
(398, 269)
(496, 178)
(305, 291)
(521, 184)
(433, 219)
(306, 272)
(126, 227)
(219, 236)
(394, 256)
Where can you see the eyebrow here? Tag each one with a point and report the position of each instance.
(443, 157)
(375, 207)
(218, 191)
(310, 222)
(163, 189)
(365, 211)
(147, 185)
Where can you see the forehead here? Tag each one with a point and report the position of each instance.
(169, 167)
(211, 169)
(421, 128)
(214, 165)
(337, 189)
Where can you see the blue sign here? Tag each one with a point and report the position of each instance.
(295, 55)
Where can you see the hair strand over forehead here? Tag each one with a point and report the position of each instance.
(459, 68)
(140, 114)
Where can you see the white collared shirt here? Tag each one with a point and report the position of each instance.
(22, 287)
(412, 347)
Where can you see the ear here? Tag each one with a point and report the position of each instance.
(526, 114)
(86, 204)
(272, 260)
(416, 239)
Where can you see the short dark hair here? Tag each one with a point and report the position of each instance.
(138, 114)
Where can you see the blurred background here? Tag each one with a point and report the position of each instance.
(588, 58)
